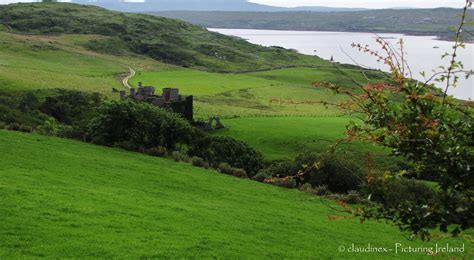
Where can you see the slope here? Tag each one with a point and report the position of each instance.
(61, 198)
(30, 62)
(166, 40)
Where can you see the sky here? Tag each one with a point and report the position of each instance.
(344, 3)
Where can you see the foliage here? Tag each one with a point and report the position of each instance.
(430, 131)
(286, 182)
(141, 125)
(158, 151)
(393, 191)
(70, 106)
(338, 174)
(222, 149)
(199, 162)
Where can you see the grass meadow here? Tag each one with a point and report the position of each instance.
(29, 62)
(62, 198)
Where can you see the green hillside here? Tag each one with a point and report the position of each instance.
(61, 198)
(283, 92)
(167, 40)
(287, 137)
(29, 62)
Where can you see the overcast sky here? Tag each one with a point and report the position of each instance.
(344, 3)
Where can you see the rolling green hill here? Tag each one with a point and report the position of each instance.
(167, 40)
(29, 62)
(61, 198)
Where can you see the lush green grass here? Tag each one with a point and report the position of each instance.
(61, 198)
(43, 62)
(270, 93)
(287, 137)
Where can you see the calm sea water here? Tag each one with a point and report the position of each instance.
(423, 53)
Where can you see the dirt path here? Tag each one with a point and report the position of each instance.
(127, 78)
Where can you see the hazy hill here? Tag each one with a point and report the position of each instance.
(413, 21)
(200, 5)
(167, 40)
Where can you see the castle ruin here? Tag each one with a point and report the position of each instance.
(169, 99)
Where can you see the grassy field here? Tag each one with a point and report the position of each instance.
(61, 198)
(281, 92)
(29, 62)
(288, 137)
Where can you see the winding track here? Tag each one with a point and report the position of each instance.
(127, 78)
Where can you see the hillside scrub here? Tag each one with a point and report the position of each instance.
(167, 40)
(221, 149)
(138, 125)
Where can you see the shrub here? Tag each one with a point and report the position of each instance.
(25, 129)
(287, 182)
(321, 190)
(282, 168)
(138, 125)
(225, 168)
(262, 175)
(198, 162)
(392, 192)
(318, 191)
(3, 125)
(239, 173)
(70, 107)
(352, 197)
(49, 127)
(13, 127)
(339, 175)
(306, 188)
(159, 151)
(179, 157)
(222, 149)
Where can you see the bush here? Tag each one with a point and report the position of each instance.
(138, 125)
(198, 162)
(49, 127)
(179, 157)
(262, 175)
(71, 107)
(25, 129)
(318, 191)
(282, 168)
(392, 192)
(222, 149)
(225, 168)
(352, 197)
(287, 182)
(3, 125)
(13, 127)
(339, 175)
(239, 173)
(159, 151)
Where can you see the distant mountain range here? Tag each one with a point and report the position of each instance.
(200, 5)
